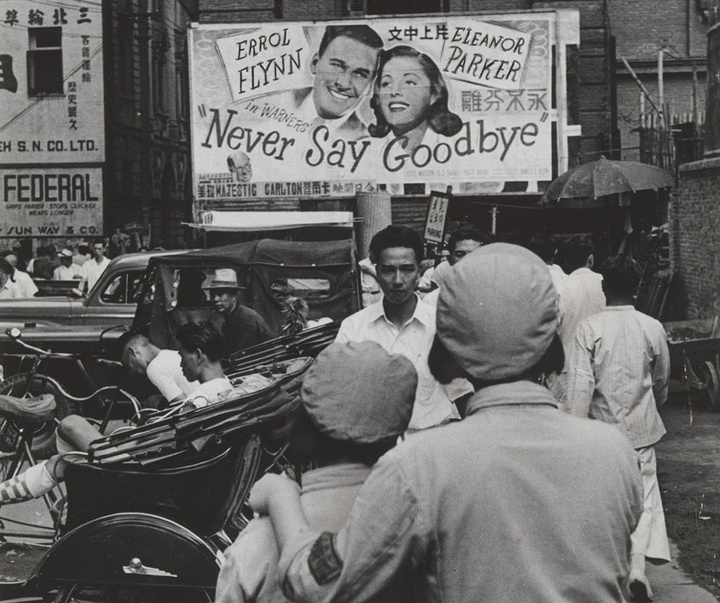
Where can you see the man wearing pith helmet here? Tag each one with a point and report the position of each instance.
(516, 502)
(242, 327)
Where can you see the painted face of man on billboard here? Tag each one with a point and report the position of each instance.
(239, 164)
(344, 68)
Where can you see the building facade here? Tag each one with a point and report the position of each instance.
(93, 121)
(664, 45)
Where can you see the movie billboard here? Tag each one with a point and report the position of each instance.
(329, 109)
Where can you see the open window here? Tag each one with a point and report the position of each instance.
(44, 61)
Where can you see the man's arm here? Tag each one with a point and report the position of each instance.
(386, 530)
(581, 376)
(165, 383)
(661, 369)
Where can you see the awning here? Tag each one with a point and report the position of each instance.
(238, 221)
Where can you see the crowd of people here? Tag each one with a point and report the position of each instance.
(448, 433)
(501, 489)
(82, 262)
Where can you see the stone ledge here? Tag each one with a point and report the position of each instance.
(710, 163)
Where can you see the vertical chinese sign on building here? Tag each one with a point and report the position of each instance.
(327, 109)
(52, 120)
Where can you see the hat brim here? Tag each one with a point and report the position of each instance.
(222, 286)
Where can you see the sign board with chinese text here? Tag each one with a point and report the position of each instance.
(455, 100)
(436, 217)
(51, 202)
(51, 82)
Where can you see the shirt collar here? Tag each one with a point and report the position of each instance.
(423, 313)
(511, 394)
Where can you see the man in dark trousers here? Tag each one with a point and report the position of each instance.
(241, 327)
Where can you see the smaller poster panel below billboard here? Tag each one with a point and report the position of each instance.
(330, 109)
(46, 202)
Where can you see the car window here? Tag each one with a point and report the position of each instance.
(125, 288)
(306, 288)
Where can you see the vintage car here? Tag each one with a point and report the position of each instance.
(112, 301)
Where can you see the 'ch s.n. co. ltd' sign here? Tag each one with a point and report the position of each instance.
(328, 109)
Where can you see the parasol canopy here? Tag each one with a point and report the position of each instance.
(607, 177)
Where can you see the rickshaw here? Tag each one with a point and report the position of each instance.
(147, 518)
(322, 274)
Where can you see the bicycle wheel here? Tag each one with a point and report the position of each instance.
(77, 593)
(43, 445)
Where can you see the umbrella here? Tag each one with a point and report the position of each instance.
(606, 177)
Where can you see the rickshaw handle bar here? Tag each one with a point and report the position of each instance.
(50, 354)
(80, 399)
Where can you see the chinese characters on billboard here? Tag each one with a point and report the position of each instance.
(51, 118)
(328, 109)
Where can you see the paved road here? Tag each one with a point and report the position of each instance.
(671, 585)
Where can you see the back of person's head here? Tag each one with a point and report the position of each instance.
(133, 352)
(360, 33)
(577, 251)
(11, 258)
(497, 313)
(83, 249)
(467, 233)
(621, 275)
(6, 267)
(543, 244)
(202, 336)
(357, 400)
(396, 236)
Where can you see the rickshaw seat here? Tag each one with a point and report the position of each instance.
(200, 491)
(179, 467)
(28, 410)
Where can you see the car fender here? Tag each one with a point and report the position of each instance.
(131, 549)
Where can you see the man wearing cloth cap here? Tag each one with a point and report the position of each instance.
(357, 400)
(68, 270)
(242, 327)
(516, 502)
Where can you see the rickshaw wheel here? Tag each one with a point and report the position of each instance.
(711, 378)
(43, 445)
(77, 593)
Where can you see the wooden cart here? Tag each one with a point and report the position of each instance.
(695, 357)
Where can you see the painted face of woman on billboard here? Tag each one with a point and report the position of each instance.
(405, 93)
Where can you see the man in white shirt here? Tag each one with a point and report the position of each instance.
(619, 368)
(94, 267)
(162, 367)
(462, 241)
(26, 287)
(67, 270)
(581, 297)
(400, 322)
(8, 288)
(543, 244)
(201, 347)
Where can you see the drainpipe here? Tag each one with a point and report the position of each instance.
(661, 89)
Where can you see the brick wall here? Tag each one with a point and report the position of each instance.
(695, 241)
(643, 26)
